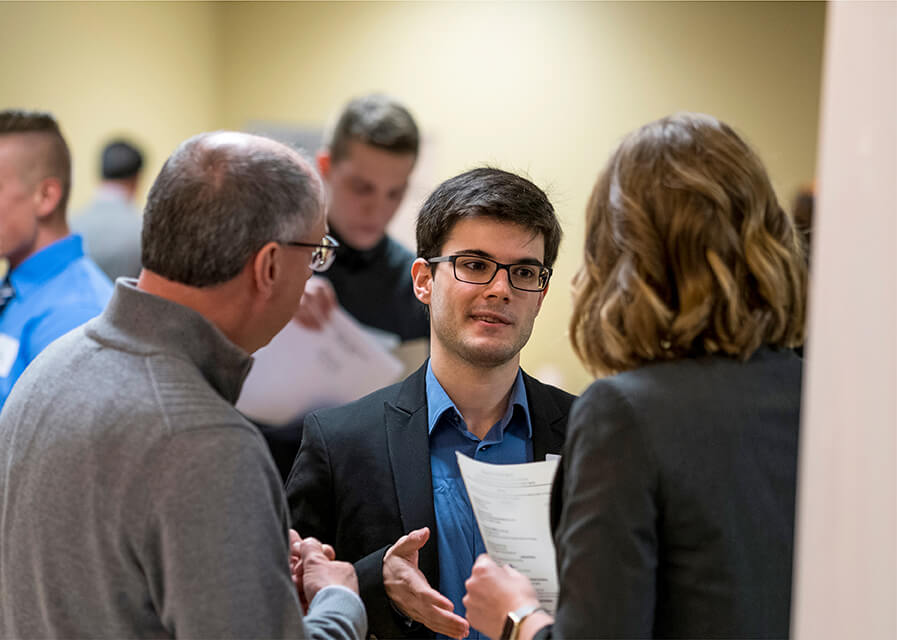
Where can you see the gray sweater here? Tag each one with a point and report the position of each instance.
(135, 501)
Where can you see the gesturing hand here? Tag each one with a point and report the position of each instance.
(409, 590)
(312, 567)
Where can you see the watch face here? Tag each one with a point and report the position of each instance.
(508, 629)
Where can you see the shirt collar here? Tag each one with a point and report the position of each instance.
(140, 322)
(354, 259)
(439, 402)
(47, 263)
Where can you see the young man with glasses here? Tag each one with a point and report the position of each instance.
(378, 478)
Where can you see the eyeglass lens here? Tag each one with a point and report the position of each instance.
(322, 257)
(480, 271)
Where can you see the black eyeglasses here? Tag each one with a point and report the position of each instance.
(322, 256)
(479, 270)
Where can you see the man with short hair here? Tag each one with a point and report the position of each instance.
(378, 478)
(51, 286)
(137, 502)
(110, 224)
(366, 162)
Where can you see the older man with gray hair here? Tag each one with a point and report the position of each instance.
(136, 501)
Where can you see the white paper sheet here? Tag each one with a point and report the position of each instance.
(510, 502)
(301, 370)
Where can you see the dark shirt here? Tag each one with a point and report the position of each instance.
(374, 286)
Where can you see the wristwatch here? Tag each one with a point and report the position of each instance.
(515, 619)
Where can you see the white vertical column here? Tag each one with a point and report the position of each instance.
(846, 555)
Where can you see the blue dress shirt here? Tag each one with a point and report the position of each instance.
(509, 441)
(55, 290)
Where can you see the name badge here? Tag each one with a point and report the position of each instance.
(9, 349)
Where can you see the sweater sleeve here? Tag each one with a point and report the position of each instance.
(606, 539)
(215, 548)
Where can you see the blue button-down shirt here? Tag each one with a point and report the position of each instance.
(509, 441)
(56, 289)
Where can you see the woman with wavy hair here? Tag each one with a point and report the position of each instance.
(673, 510)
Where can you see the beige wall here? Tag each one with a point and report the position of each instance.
(145, 70)
(543, 88)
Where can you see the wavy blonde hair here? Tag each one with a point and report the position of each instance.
(687, 252)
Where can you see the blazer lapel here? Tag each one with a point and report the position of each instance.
(408, 441)
(547, 418)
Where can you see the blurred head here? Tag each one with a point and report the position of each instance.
(804, 204)
(121, 162)
(480, 218)
(35, 179)
(687, 252)
(366, 162)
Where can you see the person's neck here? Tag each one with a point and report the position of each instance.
(219, 304)
(47, 234)
(481, 394)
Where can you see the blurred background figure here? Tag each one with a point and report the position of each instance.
(673, 511)
(52, 286)
(366, 163)
(804, 204)
(110, 224)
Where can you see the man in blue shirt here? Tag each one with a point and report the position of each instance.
(378, 478)
(51, 286)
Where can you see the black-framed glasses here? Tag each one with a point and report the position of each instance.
(479, 270)
(323, 255)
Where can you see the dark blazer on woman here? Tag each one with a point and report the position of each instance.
(673, 513)
(362, 480)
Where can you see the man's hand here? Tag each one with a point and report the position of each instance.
(312, 567)
(409, 590)
(317, 303)
(492, 592)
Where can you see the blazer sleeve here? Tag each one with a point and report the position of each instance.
(606, 538)
(309, 486)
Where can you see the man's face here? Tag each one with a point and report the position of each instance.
(484, 325)
(298, 270)
(18, 200)
(366, 188)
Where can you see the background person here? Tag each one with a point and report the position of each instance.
(51, 286)
(110, 224)
(673, 512)
(366, 163)
(137, 502)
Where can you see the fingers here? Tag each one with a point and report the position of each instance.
(447, 623)
(309, 547)
(484, 563)
(317, 303)
(329, 552)
(410, 543)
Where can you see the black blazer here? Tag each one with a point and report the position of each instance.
(673, 513)
(362, 480)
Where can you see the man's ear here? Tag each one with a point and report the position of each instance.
(48, 194)
(266, 268)
(323, 158)
(422, 279)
